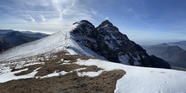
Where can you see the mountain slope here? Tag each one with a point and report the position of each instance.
(159, 63)
(4, 32)
(56, 42)
(181, 44)
(16, 38)
(104, 42)
(12, 38)
(4, 45)
(107, 41)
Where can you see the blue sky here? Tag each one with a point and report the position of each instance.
(143, 21)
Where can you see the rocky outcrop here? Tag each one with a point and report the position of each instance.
(106, 40)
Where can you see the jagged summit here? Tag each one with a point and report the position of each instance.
(104, 42)
(83, 22)
(105, 23)
(85, 28)
(107, 27)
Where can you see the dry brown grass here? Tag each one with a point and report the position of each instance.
(54, 64)
(30, 69)
(69, 83)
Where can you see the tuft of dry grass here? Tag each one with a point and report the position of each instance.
(69, 83)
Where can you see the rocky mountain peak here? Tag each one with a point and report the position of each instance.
(105, 23)
(103, 42)
(84, 28)
(107, 27)
(83, 22)
(107, 41)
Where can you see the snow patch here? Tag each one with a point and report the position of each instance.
(10, 76)
(54, 74)
(124, 59)
(90, 74)
(143, 80)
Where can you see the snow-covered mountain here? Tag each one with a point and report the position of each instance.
(107, 41)
(103, 42)
(53, 43)
(59, 64)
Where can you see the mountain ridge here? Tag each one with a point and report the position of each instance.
(109, 42)
(172, 54)
(14, 38)
(59, 63)
(104, 42)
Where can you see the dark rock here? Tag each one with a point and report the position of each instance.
(106, 40)
(159, 63)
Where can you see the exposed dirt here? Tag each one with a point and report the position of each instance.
(69, 83)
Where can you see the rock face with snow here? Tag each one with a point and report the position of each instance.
(106, 40)
(82, 38)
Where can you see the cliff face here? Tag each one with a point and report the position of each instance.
(106, 40)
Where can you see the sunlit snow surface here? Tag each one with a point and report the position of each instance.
(8, 76)
(59, 41)
(136, 79)
(144, 80)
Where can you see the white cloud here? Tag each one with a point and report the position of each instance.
(42, 17)
(48, 15)
(93, 11)
(30, 17)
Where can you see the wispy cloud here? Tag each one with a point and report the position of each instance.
(93, 11)
(31, 18)
(42, 17)
(56, 14)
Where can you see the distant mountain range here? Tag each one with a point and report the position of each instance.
(181, 44)
(4, 45)
(170, 52)
(11, 38)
